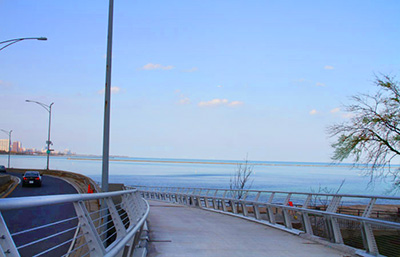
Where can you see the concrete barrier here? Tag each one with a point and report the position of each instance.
(4, 179)
(7, 184)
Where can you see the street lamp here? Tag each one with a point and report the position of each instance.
(107, 102)
(9, 143)
(48, 142)
(16, 40)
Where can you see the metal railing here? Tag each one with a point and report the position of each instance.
(369, 225)
(113, 229)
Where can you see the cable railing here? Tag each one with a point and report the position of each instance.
(366, 225)
(114, 227)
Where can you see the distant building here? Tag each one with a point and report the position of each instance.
(16, 147)
(4, 143)
(30, 150)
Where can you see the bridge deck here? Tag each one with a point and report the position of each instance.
(183, 231)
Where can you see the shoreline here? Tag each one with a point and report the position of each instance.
(217, 163)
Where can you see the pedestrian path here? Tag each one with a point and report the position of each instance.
(177, 230)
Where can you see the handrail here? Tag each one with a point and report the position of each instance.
(270, 191)
(13, 203)
(108, 232)
(296, 213)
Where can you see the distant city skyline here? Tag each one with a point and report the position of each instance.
(197, 79)
(16, 147)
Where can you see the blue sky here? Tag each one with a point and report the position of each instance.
(193, 79)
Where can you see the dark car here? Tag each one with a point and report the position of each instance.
(32, 178)
(2, 168)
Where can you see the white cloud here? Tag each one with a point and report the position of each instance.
(214, 102)
(335, 110)
(184, 100)
(235, 103)
(191, 70)
(329, 67)
(114, 90)
(152, 66)
(318, 84)
(313, 112)
(219, 102)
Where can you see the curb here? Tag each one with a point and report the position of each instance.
(12, 187)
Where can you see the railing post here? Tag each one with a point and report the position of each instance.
(207, 204)
(305, 217)
(214, 201)
(119, 226)
(197, 199)
(93, 240)
(223, 203)
(7, 245)
(187, 197)
(245, 195)
(168, 195)
(255, 207)
(233, 205)
(285, 212)
(179, 194)
(333, 226)
(270, 212)
(129, 206)
(136, 206)
(256, 211)
(244, 208)
(367, 232)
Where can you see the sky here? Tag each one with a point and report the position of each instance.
(193, 79)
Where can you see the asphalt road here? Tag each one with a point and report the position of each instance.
(20, 220)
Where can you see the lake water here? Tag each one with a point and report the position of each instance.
(282, 176)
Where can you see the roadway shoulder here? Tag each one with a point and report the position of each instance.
(9, 185)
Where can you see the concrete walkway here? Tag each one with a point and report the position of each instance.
(177, 230)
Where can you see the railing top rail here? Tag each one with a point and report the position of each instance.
(282, 192)
(34, 201)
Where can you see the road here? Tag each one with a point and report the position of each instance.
(19, 220)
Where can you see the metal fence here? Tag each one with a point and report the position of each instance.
(368, 224)
(113, 228)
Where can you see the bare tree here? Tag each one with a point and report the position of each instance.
(240, 180)
(324, 200)
(372, 134)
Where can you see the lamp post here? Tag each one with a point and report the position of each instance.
(48, 142)
(9, 143)
(106, 131)
(16, 40)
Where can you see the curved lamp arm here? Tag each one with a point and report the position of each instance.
(16, 40)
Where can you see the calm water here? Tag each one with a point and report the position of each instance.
(280, 176)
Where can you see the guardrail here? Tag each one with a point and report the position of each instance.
(114, 229)
(368, 224)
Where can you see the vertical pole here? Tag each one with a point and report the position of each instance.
(48, 138)
(9, 147)
(106, 132)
